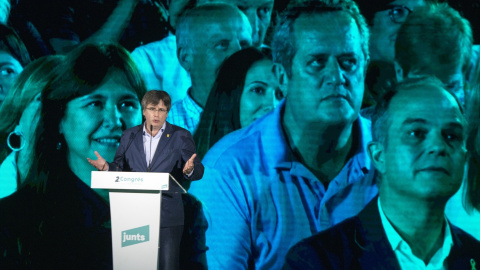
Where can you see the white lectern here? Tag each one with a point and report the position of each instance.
(135, 205)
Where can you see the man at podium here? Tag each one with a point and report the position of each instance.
(158, 146)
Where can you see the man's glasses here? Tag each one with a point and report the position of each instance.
(153, 110)
(398, 13)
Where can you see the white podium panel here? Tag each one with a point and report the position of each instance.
(135, 207)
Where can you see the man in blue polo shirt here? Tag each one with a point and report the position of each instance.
(303, 167)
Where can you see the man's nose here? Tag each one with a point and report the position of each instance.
(436, 143)
(333, 73)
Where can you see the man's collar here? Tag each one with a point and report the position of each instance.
(162, 129)
(282, 157)
(396, 241)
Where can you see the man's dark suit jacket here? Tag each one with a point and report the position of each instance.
(361, 243)
(174, 149)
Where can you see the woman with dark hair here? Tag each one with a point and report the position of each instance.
(13, 58)
(245, 89)
(55, 220)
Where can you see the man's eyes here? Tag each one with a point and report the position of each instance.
(222, 45)
(264, 12)
(453, 136)
(420, 134)
(348, 64)
(417, 133)
(317, 63)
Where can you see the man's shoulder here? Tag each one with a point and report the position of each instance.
(177, 129)
(130, 132)
(464, 239)
(132, 129)
(178, 106)
(331, 248)
(163, 46)
(464, 253)
(178, 113)
(245, 143)
(343, 231)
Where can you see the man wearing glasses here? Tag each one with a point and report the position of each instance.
(384, 21)
(162, 148)
(443, 39)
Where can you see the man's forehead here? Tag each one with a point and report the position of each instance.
(408, 3)
(160, 104)
(249, 3)
(425, 102)
(220, 21)
(338, 32)
(226, 13)
(226, 30)
(334, 23)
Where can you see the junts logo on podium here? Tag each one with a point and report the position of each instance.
(136, 236)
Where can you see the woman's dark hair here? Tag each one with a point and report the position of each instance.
(222, 110)
(12, 44)
(85, 69)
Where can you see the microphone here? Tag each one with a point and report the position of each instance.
(128, 145)
(151, 135)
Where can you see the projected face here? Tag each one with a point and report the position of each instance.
(155, 115)
(328, 70)
(10, 68)
(424, 153)
(385, 26)
(95, 122)
(260, 94)
(215, 42)
(259, 13)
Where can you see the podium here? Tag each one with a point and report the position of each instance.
(135, 205)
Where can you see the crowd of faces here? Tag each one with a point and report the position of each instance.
(424, 139)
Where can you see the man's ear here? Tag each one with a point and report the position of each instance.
(377, 155)
(281, 76)
(185, 57)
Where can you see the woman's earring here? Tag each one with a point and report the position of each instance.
(59, 145)
(16, 140)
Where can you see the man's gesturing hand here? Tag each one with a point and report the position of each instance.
(189, 165)
(99, 164)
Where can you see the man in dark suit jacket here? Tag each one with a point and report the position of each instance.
(419, 154)
(158, 146)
